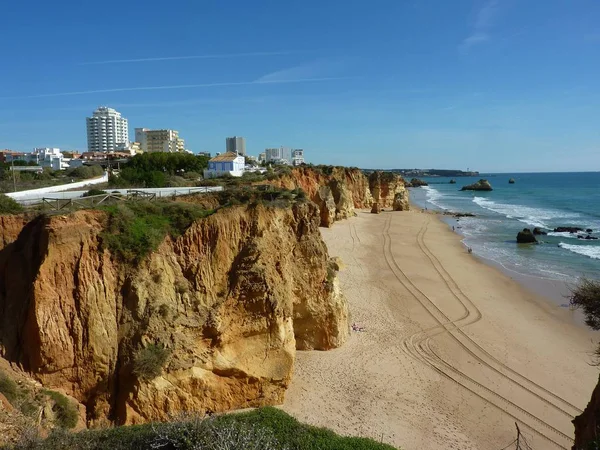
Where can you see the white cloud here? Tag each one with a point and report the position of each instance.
(480, 31)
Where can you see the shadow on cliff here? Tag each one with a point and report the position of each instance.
(20, 262)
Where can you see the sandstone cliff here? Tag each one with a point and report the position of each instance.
(586, 424)
(338, 191)
(231, 300)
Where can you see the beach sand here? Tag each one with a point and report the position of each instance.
(454, 351)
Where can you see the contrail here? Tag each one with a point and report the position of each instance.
(180, 86)
(173, 58)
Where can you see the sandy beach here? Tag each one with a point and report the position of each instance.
(453, 351)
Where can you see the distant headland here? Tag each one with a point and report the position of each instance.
(431, 172)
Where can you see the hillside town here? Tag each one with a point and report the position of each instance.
(109, 145)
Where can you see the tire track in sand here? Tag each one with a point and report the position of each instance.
(421, 351)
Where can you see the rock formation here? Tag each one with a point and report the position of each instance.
(539, 232)
(388, 190)
(452, 181)
(339, 191)
(567, 229)
(229, 301)
(481, 185)
(415, 182)
(525, 237)
(586, 424)
(511, 181)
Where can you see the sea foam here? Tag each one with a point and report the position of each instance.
(536, 217)
(591, 251)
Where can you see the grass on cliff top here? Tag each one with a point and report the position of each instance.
(262, 429)
(137, 228)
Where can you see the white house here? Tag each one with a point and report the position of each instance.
(224, 164)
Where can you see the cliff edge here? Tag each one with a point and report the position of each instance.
(220, 310)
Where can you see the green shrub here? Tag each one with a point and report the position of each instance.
(65, 410)
(8, 388)
(264, 429)
(586, 295)
(94, 192)
(297, 436)
(85, 172)
(159, 170)
(150, 360)
(137, 228)
(9, 205)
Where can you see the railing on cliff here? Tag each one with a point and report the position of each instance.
(53, 204)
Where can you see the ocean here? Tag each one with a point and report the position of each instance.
(545, 200)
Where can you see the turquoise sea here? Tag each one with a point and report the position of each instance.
(545, 200)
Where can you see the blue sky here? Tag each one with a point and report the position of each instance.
(493, 85)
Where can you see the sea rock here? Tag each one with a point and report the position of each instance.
(567, 229)
(232, 299)
(453, 181)
(590, 238)
(415, 182)
(588, 230)
(526, 237)
(458, 215)
(511, 181)
(539, 232)
(375, 209)
(481, 185)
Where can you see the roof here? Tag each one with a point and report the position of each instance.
(228, 156)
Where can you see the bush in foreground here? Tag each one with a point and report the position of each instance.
(9, 205)
(264, 429)
(586, 295)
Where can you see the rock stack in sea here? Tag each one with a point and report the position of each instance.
(526, 237)
(481, 185)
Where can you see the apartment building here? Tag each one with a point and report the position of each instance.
(107, 131)
(167, 141)
(236, 144)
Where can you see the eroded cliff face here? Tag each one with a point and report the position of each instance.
(338, 191)
(388, 190)
(231, 299)
(587, 423)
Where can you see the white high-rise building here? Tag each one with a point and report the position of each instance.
(236, 144)
(107, 131)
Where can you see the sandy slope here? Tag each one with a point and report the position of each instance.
(454, 352)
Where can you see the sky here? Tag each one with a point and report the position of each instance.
(489, 85)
